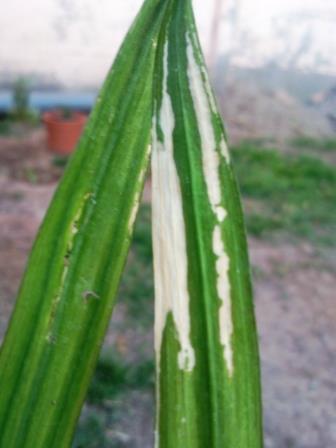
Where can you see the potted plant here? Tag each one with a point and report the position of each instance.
(64, 127)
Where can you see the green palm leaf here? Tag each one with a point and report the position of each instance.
(68, 291)
(208, 392)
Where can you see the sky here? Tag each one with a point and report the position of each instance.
(75, 41)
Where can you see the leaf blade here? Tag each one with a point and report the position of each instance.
(206, 344)
(67, 295)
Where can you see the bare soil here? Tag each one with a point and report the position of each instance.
(294, 294)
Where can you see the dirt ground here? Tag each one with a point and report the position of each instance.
(294, 295)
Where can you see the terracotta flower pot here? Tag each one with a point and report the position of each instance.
(63, 133)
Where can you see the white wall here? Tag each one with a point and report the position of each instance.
(74, 41)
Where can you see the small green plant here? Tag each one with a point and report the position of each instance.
(22, 111)
(21, 92)
(31, 176)
(60, 161)
(156, 101)
(5, 128)
(66, 113)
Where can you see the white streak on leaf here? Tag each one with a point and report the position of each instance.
(211, 157)
(202, 93)
(169, 241)
(223, 288)
(74, 229)
(224, 149)
(137, 198)
(208, 89)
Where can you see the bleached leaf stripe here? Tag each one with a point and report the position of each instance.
(208, 390)
(204, 104)
(169, 241)
(170, 252)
